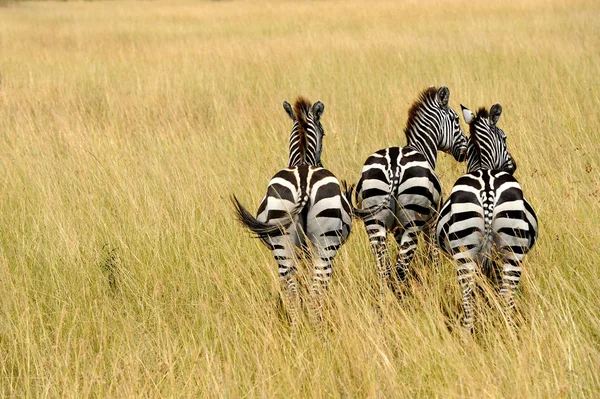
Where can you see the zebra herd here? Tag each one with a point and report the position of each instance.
(485, 223)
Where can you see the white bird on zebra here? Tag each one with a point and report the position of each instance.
(486, 221)
(399, 191)
(304, 208)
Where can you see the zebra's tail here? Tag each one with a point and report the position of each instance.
(347, 190)
(261, 229)
(363, 213)
(485, 257)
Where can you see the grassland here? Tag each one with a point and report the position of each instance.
(125, 126)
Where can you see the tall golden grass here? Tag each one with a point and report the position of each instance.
(125, 127)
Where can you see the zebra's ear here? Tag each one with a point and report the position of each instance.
(467, 114)
(495, 113)
(443, 96)
(317, 110)
(289, 110)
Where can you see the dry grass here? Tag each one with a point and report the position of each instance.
(125, 126)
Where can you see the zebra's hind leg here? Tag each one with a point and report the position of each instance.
(432, 250)
(378, 240)
(466, 278)
(284, 256)
(511, 275)
(322, 263)
(407, 239)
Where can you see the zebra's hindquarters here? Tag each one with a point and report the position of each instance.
(486, 218)
(403, 180)
(401, 184)
(486, 212)
(461, 224)
(328, 222)
(328, 206)
(533, 224)
(284, 194)
(321, 223)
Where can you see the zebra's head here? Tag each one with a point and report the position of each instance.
(452, 139)
(434, 126)
(487, 144)
(306, 138)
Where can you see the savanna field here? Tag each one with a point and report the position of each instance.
(126, 126)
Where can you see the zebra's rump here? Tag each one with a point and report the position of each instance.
(486, 210)
(403, 178)
(325, 209)
(533, 223)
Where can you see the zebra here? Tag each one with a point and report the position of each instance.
(486, 219)
(304, 208)
(398, 190)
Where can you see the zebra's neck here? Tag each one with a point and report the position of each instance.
(296, 149)
(422, 135)
(303, 149)
(473, 158)
(476, 160)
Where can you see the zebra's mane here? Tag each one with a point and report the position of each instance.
(301, 108)
(481, 113)
(424, 98)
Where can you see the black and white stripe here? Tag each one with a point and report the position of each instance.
(306, 138)
(304, 208)
(399, 191)
(486, 221)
